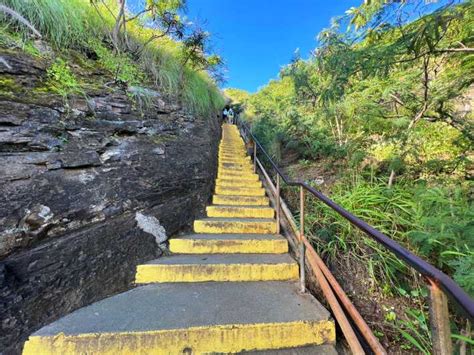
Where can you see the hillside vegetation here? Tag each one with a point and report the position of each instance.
(153, 48)
(380, 117)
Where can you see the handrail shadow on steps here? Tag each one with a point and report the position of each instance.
(438, 282)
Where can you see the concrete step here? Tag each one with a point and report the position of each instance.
(238, 183)
(240, 200)
(241, 154)
(232, 151)
(244, 191)
(232, 144)
(235, 160)
(229, 211)
(235, 165)
(218, 267)
(235, 171)
(327, 349)
(228, 174)
(229, 243)
(235, 225)
(177, 318)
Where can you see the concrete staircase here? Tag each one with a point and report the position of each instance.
(231, 287)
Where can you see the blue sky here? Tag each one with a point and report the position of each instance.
(257, 37)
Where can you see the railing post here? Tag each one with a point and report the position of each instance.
(439, 321)
(254, 156)
(278, 202)
(302, 245)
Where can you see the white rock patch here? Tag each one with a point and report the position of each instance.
(151, 225)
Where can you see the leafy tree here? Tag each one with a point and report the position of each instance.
(162, 15)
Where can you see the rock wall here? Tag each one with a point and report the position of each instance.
(90, 186)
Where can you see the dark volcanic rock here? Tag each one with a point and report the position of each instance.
(87, 193)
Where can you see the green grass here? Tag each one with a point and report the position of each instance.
(75, 24)
(62, 80)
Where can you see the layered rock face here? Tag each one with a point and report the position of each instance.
(89, 187)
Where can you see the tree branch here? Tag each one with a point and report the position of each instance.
(20, 19)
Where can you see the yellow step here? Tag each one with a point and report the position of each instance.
(226, 161)
(233, 153)
(235, 225)
(230, 168)
(238, 183)
(218, 267)
(235, 164)
(231, 145)
(229, 243)
(245, 159)
(240, 211)
(245, 174)
(207, 318)
(244, 191)
(240, 200)
(241, 177)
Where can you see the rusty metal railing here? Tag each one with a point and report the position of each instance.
(439, 284)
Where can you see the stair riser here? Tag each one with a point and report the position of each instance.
(237, 172)
(238, 151)
(240, 200)
(224, 190)
(206, 227)
(234, 160)
(236, 166)
(239, 212)
(216, 272)
(238, 183)
(197, 246)
(240, 176)
(232, 145)
(229, 338)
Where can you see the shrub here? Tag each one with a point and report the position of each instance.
(62, 80)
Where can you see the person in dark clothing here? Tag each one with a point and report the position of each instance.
(225, 112)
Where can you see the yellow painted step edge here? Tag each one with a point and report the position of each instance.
(238, 183)
(215, 272)
(228, 246)
(246, 191)
(236, 175)
(229, 338)
(239, 212)
(240, 200)
(203, 226)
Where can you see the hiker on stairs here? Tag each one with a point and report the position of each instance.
(230, 115)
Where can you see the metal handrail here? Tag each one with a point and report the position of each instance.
(436, 278)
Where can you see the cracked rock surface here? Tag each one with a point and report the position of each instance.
(72, 181)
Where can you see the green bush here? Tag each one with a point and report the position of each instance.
(62, 80)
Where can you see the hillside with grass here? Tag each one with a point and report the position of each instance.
(167, 56)
(380, 118)
(108, 146)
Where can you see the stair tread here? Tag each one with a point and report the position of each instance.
(239, 196)
(236, 236)
(242, 207)
(177, 306)
(241, 220)
(326, 349)
(227, 259)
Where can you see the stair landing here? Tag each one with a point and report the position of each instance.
(172, 317)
